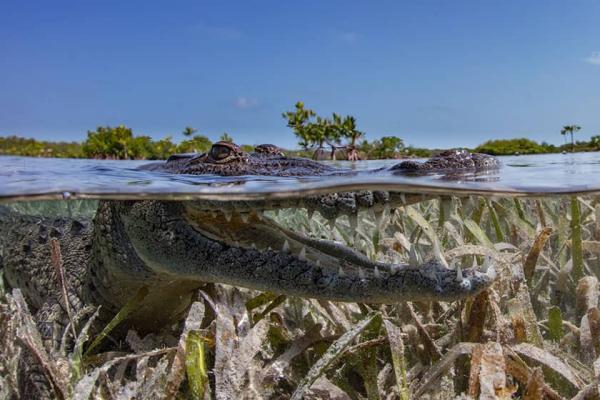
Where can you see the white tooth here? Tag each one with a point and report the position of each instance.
(318, 263)
(302, 254)
(269, 248)
(213, 214)
(459, 275)
(403, 198)
(491, 272)
(378, 218)
(361, 273)
(413, 257)
(341, 272)
(394, 269)
(227, 215)
(377, 273)
(386, 209)
(474, 262)
(353, 221)
(286, 247)
(331, 224)
(253, 246)
(259, 214)
(236, 243)
(487, 263)
(244, 217)
(371, 214)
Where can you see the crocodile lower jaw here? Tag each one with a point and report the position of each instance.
(262, 233)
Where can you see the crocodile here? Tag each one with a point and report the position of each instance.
(173, 248)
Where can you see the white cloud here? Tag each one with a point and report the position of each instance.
(594, 58)
(245, 103)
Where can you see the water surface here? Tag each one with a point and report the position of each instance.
(47, 178)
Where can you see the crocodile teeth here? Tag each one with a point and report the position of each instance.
(259, 214)
(244, 217)
(387, 209)
(331, 224)
(353, 219)
(487, 262)
(394, 269)
(371, 214)
(459, 275)
(253, 246)
(403, 198)
(378, 218)
(377, 273)
(361, 273)
(286, 246)
(356, 239)
(341, 272)
(413, 257)
(302, 254)
(227, 215)
(318, 263)
(491, 272)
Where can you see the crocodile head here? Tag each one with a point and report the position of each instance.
(251, 244)
(227, 159)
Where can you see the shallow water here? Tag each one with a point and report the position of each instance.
(23, 177)
(461, 227)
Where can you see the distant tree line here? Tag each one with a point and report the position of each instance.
(333, 137)
(19, 146)
(528, 146)
(111, 143)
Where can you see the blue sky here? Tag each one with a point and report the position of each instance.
(436, 73)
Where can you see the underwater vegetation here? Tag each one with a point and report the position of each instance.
(535, 334)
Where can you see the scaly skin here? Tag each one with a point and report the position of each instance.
(173, 248)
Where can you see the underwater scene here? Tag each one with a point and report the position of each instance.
(359, 281)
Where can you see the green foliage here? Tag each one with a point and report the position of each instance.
(298, 121)
(386, 147)
(116, 143)
(197, 144)
(18, 146)
(314, 131)
(195, 364)
(571, 129)
(188, 131)
(120, 143)
(510, 147)
(226, 138)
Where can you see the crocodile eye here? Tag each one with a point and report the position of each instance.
(218, 152)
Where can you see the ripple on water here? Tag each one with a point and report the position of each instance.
(26, 178)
